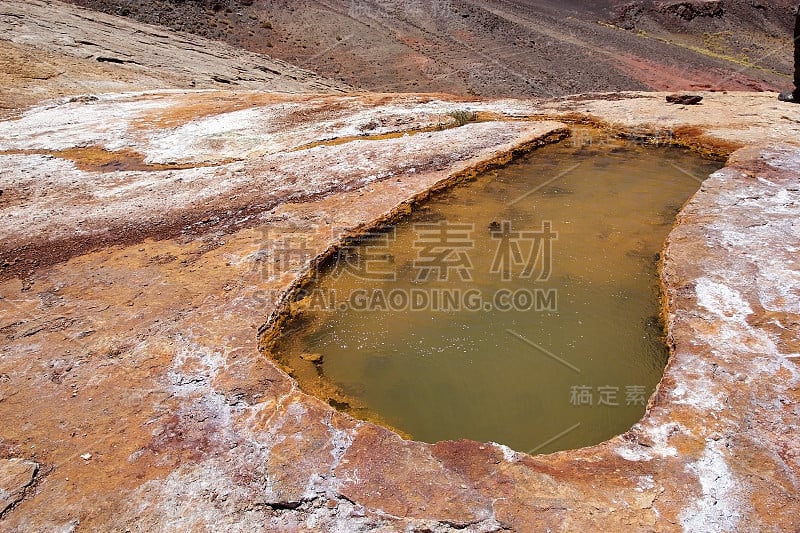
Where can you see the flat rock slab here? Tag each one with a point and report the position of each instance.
(16, 475)
(51, 50)
(143, 253)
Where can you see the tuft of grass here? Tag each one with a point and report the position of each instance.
(462, 116)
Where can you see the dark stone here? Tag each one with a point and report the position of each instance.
(684, 99)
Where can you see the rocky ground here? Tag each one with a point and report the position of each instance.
(48, 51)
(134, 394)
(501, 47)
(139, 273)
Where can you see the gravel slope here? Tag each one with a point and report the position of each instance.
(501, 47)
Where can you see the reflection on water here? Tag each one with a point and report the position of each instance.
(521, 308)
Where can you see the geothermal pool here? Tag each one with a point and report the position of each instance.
(521, 308)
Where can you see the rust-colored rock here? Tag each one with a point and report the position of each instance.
(132, 299)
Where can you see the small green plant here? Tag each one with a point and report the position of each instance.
(462, 116)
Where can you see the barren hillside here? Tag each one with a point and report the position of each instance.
(500, 47)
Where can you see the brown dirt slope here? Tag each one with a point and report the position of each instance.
(501, 47)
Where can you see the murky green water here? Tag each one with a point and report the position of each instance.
(521, 308)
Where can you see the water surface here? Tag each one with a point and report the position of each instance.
(522, 308)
